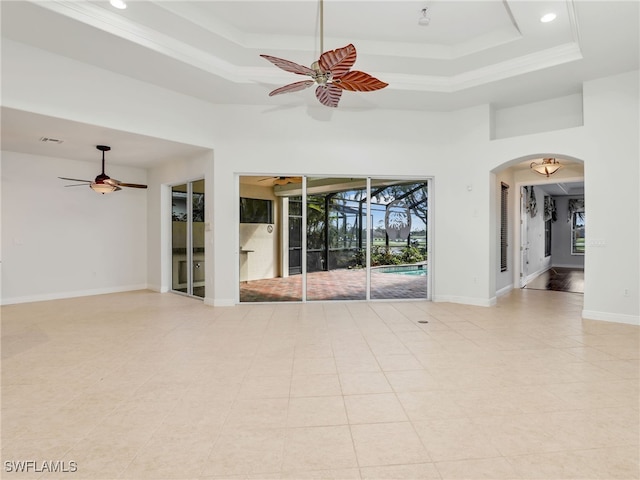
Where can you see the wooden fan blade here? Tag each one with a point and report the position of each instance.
(289, 66)
(118, 183)
(328, 95)
(338, 61)
(286, 180)
(292, 87)
(75, 179)
(77, 185)
(356, 81)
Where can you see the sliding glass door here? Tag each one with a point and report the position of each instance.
(333, 238)
(336, 239)
(270, 239)
(399, 212)
(187, 238)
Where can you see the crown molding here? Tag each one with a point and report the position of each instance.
(114, 24)
(541, 60)
(117, 25)
(191, 13)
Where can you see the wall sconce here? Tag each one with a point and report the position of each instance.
(546, 167)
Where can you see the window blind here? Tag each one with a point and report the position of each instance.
(504, 225)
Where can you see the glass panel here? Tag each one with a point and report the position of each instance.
(336, 239)
(270, 238)
(577, 233)
(256, 210)
(179, 216)
(399, 210)
(198, 216)
(295, 235)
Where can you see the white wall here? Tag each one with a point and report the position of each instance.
(613, 198)
(455, 149)
(464, 269)
(59, 242)
(545, 116)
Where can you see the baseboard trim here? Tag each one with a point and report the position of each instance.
(478, 302)
(562, 265)
(531, 276)
(504, 291)
(63, 295)
(611, 317)
(220, 302)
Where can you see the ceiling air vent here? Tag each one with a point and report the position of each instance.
(50, 140)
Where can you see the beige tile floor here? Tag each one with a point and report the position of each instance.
(143, 385)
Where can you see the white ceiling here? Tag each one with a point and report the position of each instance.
(26, 132)
(472, 52)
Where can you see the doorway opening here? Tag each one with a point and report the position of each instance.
(553, 226)
(518, 250)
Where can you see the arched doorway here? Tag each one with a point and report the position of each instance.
(522, 240)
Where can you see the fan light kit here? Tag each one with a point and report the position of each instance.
(331, 73)
(424, 20)
(546, 167)
(103, 183)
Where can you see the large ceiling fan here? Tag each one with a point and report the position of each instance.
(331, 72)
(103, 183)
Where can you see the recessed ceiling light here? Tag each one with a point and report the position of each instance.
(549, 17)
(118, 4)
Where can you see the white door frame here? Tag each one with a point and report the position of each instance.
(524, 237)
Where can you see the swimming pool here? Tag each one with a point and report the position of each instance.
(415, 270)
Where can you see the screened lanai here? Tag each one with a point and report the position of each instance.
(360, 238)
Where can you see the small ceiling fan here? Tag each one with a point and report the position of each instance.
(103, 183)
(331, 72)
(282, 180)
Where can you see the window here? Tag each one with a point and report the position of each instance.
(549, 212)
(504, 225)
(255, 210)
(547, 238)
(577, 233)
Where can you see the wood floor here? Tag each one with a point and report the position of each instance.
(559, 279)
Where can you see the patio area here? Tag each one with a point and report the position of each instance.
(339, 284)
